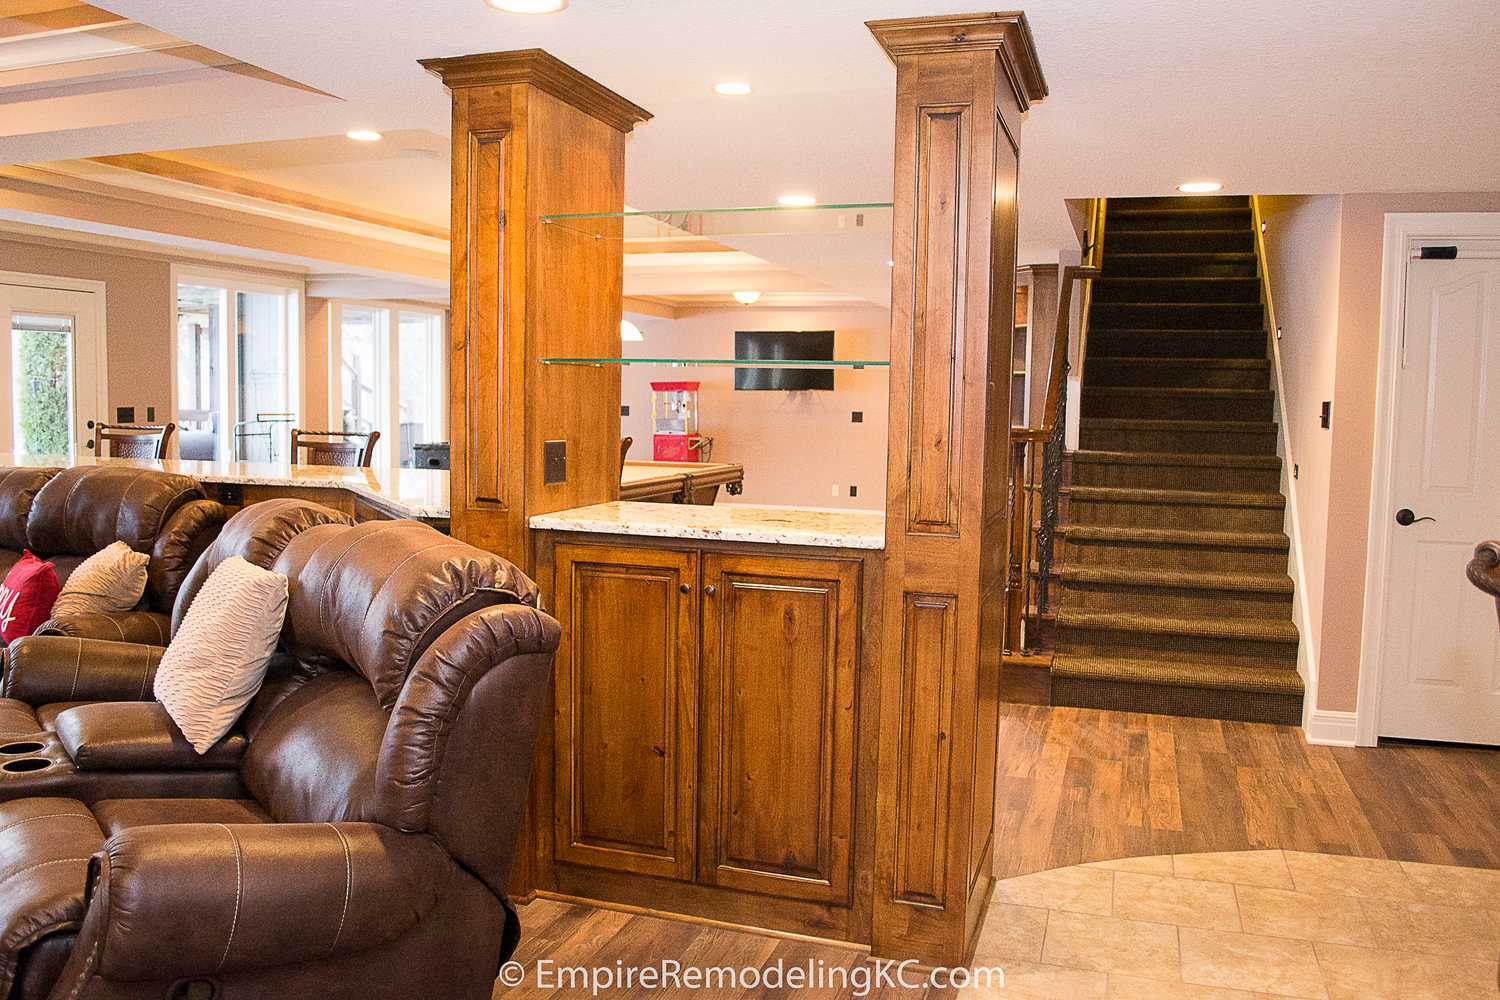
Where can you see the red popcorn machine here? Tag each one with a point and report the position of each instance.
(674, 423)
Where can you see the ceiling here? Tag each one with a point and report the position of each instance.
(1274, 96)
(69, 65)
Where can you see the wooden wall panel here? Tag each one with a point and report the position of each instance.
(929, 632)
(780, 649)
(479, 373)
(937, 345)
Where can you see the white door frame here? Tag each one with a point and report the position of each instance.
(101, 350)
(1401, 229)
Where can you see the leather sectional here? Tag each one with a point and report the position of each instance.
(66, 515)
(351, 837)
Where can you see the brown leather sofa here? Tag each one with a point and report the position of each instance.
(66, 515)
(363, 852)
(33, 692)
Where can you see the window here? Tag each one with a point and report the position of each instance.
(390, 376)
(240, 404)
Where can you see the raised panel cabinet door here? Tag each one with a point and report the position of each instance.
(626, 747)
(780, 646)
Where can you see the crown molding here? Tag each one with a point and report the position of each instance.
(1006, 33)
(544, 71)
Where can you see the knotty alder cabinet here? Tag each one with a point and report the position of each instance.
(707, 730)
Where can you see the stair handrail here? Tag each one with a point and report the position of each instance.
(1036, 475)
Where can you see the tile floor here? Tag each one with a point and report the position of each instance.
(1249, 925)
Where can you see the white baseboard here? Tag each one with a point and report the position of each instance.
(1330, 729)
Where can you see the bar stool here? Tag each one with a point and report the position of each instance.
(133, 440)
(333, 447)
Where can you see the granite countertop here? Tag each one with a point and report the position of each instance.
(848, 529)
(418, 493)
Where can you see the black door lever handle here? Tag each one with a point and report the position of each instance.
(1405, 517)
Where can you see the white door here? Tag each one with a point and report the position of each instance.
(50, 379)
(1441, 663)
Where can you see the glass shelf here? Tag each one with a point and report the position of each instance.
(716, 363)
(713, 223)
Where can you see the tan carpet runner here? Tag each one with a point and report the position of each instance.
(1174, 594)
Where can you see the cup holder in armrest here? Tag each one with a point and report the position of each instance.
(25, 764)
(26, 746)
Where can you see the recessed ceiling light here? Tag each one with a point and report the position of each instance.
(629, 331)
(797, 200)
(747, 298)
(732, 88)
(528, 6)
(364, 135)
(1199, 187)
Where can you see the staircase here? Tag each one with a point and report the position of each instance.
(1174, 593)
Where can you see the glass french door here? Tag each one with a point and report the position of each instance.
(51, 383)
(390, 376)
(236, 374)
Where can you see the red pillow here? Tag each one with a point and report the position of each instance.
(26, 596)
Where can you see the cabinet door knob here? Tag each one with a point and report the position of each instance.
(684, 588)
(709, 590)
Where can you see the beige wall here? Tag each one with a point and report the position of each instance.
(1302, 254)
(1325, 256)
(315, 319)
(138, 297)
(795, 446)
(1363, 234)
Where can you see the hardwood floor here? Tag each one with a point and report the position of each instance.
(1081, 785)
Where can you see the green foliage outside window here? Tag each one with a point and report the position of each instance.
(42, 385)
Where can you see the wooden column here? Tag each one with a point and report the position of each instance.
(531, 137)
(962, 85)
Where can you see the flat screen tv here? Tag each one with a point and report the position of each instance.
(783, 345)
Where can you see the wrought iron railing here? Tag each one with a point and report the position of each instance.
(1036, 467)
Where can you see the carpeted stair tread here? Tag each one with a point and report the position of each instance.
(1261, 363)
(1186, 392)
(1266, 680)
(1245, 630)
(1208, 461)
(1129, 494)
(1257, 583)
(1176, 536)
(1148, 424)
(1178, 600)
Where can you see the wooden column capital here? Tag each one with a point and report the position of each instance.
(1006, 33)
(544, 71)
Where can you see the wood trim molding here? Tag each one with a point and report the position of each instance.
(544, 71)
(217, 180)
(1008, 33)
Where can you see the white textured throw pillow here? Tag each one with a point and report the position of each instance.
(112, 579)
(217, 660)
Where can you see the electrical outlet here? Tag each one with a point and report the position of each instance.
(150, 414)
(1325, 418)
(857, 416)
(854, 491)
(554, 462)
(124, 414)
(625, 409)
(835, 489)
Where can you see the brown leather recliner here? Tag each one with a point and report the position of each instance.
(384, 769)
(67, 515)
(33, 692)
